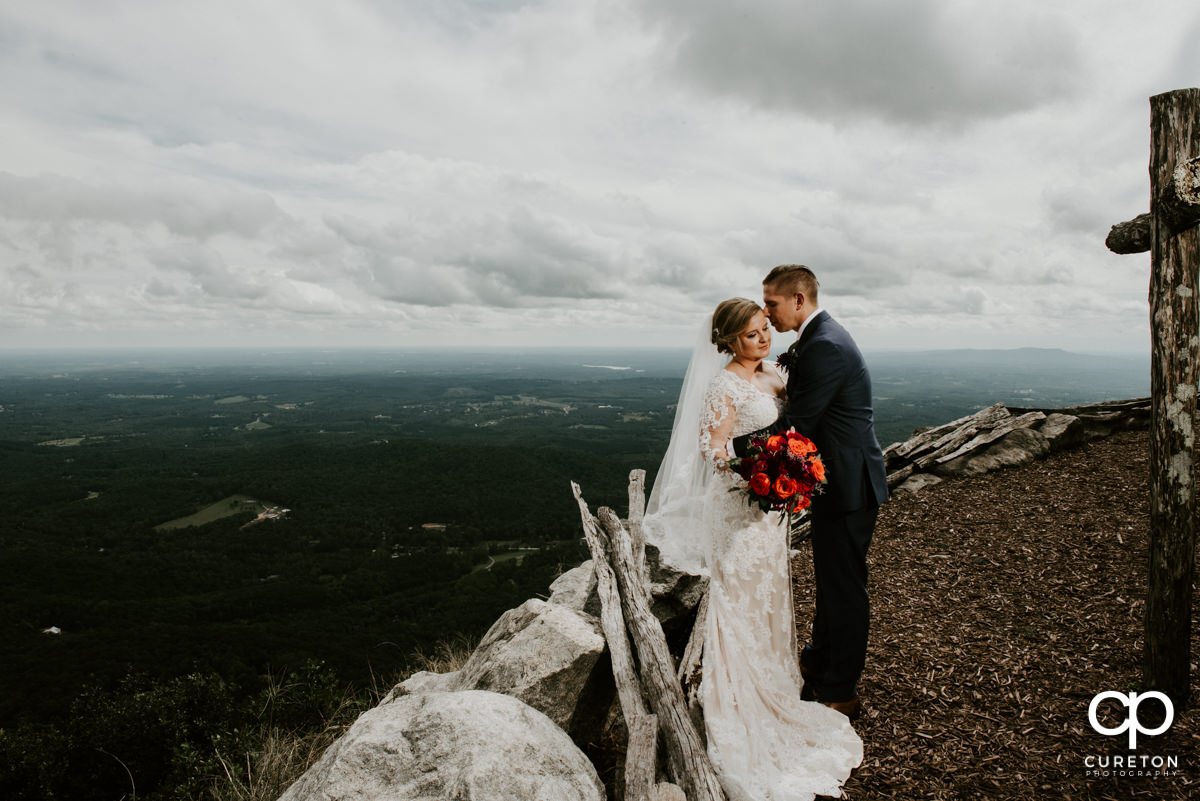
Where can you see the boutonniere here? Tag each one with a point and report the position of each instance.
(785, 358)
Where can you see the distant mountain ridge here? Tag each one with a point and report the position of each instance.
(1010, 356)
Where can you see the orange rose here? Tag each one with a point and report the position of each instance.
(802, 503)
(800, 445)
(775, 443)
(818, 469)
(786, 487)
(760, 483)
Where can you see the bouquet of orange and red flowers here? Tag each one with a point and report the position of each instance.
(782, 471)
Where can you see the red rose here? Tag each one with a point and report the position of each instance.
(786, 487)
(818, 469)
(800, 445)
(802, 503)
(775, 443)
(760, 483)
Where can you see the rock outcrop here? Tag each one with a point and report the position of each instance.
(576, 589)
(674, 593)
(470, 746)
(541, 653)
(551, 654)
(998, 437)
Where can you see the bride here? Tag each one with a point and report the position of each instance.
(765, 743)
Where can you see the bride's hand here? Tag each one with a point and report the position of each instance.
(721, 462)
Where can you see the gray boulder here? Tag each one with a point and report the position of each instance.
(541, 653)
(1063, 431)
(466, 746)
(674, 593)
(917, 482)
(424, 681)
(1102, 424)
(1016, 447)
(576, 589)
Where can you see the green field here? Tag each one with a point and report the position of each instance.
(226, 507)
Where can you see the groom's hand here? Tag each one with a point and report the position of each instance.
(741, 445)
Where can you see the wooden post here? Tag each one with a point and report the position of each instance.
(1174, 244)
(686, 755)
(689, 672)
(637, 511)
(1130, 237)
(643, 671)
(1175, 258)
(641, 755)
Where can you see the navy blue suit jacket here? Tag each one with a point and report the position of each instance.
(829, 401)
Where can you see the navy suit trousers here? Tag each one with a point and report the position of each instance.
(837, 653)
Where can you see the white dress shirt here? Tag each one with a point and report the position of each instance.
(807, 320)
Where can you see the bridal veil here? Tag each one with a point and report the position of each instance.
(675, 512)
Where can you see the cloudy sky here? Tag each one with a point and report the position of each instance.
(570, 172)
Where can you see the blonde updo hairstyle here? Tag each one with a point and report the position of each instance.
(730, 319)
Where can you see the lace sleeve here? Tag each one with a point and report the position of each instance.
(716, 423)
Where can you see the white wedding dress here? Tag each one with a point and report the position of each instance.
(765, 743)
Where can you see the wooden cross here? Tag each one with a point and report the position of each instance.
(1171, 235)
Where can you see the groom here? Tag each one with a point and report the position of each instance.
(829, 401)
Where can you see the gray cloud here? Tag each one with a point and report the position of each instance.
(210, 272)
(923, 62)
(453, 15)
(526, 255)
(198, 211)
(518, 258)
(1185, 71)
(514, 172)
(1082, 209)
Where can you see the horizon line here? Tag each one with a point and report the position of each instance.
(164, 349)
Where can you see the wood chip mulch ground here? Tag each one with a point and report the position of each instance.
(1002, 604)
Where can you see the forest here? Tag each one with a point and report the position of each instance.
(415, 495)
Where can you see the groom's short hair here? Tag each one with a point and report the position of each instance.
(788, 279)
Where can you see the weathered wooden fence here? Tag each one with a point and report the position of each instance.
(645, 671)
